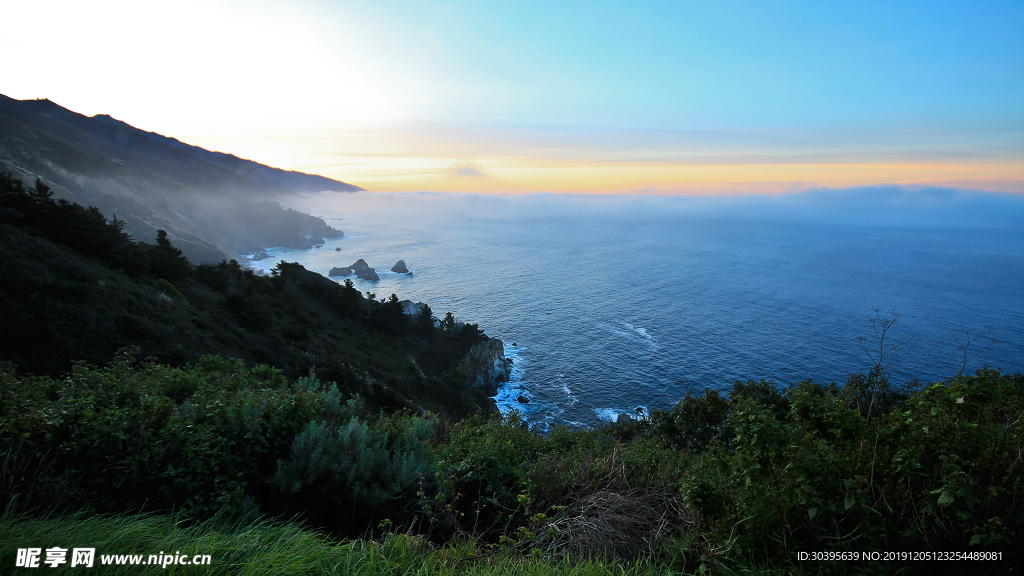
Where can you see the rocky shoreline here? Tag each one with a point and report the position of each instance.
(486, 366)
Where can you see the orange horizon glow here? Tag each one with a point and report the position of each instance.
(510, 177)
(410, 162)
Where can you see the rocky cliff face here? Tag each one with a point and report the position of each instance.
(410, 308)
(486, 366)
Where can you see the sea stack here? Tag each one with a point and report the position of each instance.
(360, 268)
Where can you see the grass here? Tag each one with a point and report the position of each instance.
(273, 547)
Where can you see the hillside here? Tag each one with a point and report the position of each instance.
(213, 205)
(77, 288)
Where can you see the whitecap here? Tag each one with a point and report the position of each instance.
(572, 397)
(608, 414)
(638, 335)
(642, 332)
(612, 414)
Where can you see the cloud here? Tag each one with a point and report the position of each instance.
(467, 170)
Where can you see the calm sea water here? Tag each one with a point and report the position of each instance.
(606, 310)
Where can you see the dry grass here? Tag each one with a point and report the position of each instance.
(615, 524)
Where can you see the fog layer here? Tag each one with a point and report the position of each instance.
(882, 206)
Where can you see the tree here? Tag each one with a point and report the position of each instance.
(44, 206)
(882, 358)
(167, 261)
(471, 334)
(390, 316)
(162, 241)
(351, 304)
(448, 324)
(40, 193)
(425, 320)
(118, 226)
(965, 345)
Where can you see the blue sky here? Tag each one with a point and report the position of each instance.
(722, 63)
(673, 97)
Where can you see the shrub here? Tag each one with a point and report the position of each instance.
(483, 475)
(350, 468)
(937, 471)
(127, 436)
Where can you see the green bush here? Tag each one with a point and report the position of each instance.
(348, 467)
(483, 475)
(693, 422)
(128, 436)
(935, 472)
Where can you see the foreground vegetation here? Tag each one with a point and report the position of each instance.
(280, 548)
(748, 479)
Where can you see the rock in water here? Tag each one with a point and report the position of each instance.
(523, 399)
(361, 269)
(400, 268)
(337, 249)
(340, 272)
(486, 366)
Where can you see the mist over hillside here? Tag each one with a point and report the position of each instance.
(213, 205)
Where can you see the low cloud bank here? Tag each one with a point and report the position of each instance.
(893, 206)
(885, 206)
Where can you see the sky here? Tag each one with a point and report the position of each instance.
(674, 98)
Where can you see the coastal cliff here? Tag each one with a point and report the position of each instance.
(486, 366)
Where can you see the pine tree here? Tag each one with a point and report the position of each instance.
(425, 320)
(40, 193)
(448, 324)
(167, 260)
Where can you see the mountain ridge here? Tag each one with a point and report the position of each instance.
(213, 205)
(259, 173)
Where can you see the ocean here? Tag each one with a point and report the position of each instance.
(609, 306)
